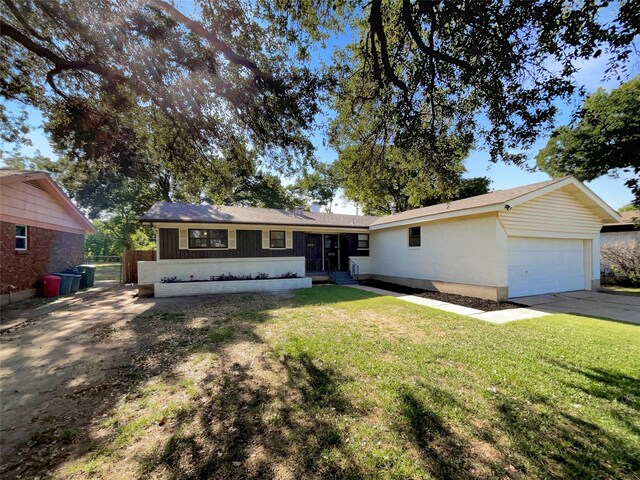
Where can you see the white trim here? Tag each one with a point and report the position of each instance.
(262, 227)
(25, 236)
(440, 216)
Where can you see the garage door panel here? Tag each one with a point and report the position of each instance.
(545, 265)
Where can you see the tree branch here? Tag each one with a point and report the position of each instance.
(377, 28)
(415, 35)
(213, 39)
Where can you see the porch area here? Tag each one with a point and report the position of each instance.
(335, 257)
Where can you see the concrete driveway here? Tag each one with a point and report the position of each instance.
(590, 304)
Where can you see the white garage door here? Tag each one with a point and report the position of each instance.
(545, 265)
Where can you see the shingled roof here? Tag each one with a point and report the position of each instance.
(186, 212)
(493, 198)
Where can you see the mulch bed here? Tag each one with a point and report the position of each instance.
(471, 302)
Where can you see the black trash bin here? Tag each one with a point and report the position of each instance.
(90, 273)
(66, 282)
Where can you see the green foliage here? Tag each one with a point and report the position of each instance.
(401, 177)
(436, 77)
(101, 244)
(630, 207)
(606, 139)
(319, 186)
(216, 87)
(263, 190)
(109, 240)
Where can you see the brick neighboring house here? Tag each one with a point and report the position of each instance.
(41, 231)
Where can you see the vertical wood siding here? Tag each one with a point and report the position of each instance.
(249, 244)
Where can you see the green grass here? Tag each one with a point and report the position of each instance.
(341, 383)
(632, 291)
(108, 271)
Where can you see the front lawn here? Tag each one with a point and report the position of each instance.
(339, 383)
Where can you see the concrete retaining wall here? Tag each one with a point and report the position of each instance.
(186, 289)
(202, 269)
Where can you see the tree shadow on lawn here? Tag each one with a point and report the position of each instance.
(238, 440)
(248, 426)
(527, 438)
(605, 384)
(559, 444)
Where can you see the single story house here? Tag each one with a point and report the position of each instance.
(528, 240)
(626, 230)
(41, 231)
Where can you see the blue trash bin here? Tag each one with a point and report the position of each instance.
(75, 280)
(66, 282)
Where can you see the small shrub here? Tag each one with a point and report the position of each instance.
(624, 260)
(289, 275)
(262, 276)
(170, 280)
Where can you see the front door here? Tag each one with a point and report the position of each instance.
(313, 252)
(331, 253)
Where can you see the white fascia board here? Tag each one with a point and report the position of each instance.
(440, 216)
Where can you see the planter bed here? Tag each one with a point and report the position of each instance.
(185, 289)
(471, 302)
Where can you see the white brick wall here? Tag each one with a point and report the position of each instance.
(203, 269)
(187, 289)
(461, 251)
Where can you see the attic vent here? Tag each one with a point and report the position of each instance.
(34, 184)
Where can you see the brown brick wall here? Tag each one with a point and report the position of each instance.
(48, 252)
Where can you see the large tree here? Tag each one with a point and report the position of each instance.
(400, 180)
(485, 74)
(228, 87)
(432, 78)
(319, 186)
(605, 140)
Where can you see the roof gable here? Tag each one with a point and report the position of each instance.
(42, 181)
(496, 201)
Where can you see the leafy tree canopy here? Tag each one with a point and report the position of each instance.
(229, 87)
(319, 186)
(605, 139)
(630, 207)
(138, 89)
(400, 178)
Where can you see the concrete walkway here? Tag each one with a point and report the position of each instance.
(498, 316)
(624, 308)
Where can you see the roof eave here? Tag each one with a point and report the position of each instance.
(494, 207)
(149, 221)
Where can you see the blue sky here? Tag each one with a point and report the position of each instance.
(590, 74)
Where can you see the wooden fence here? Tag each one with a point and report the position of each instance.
(130, 261)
